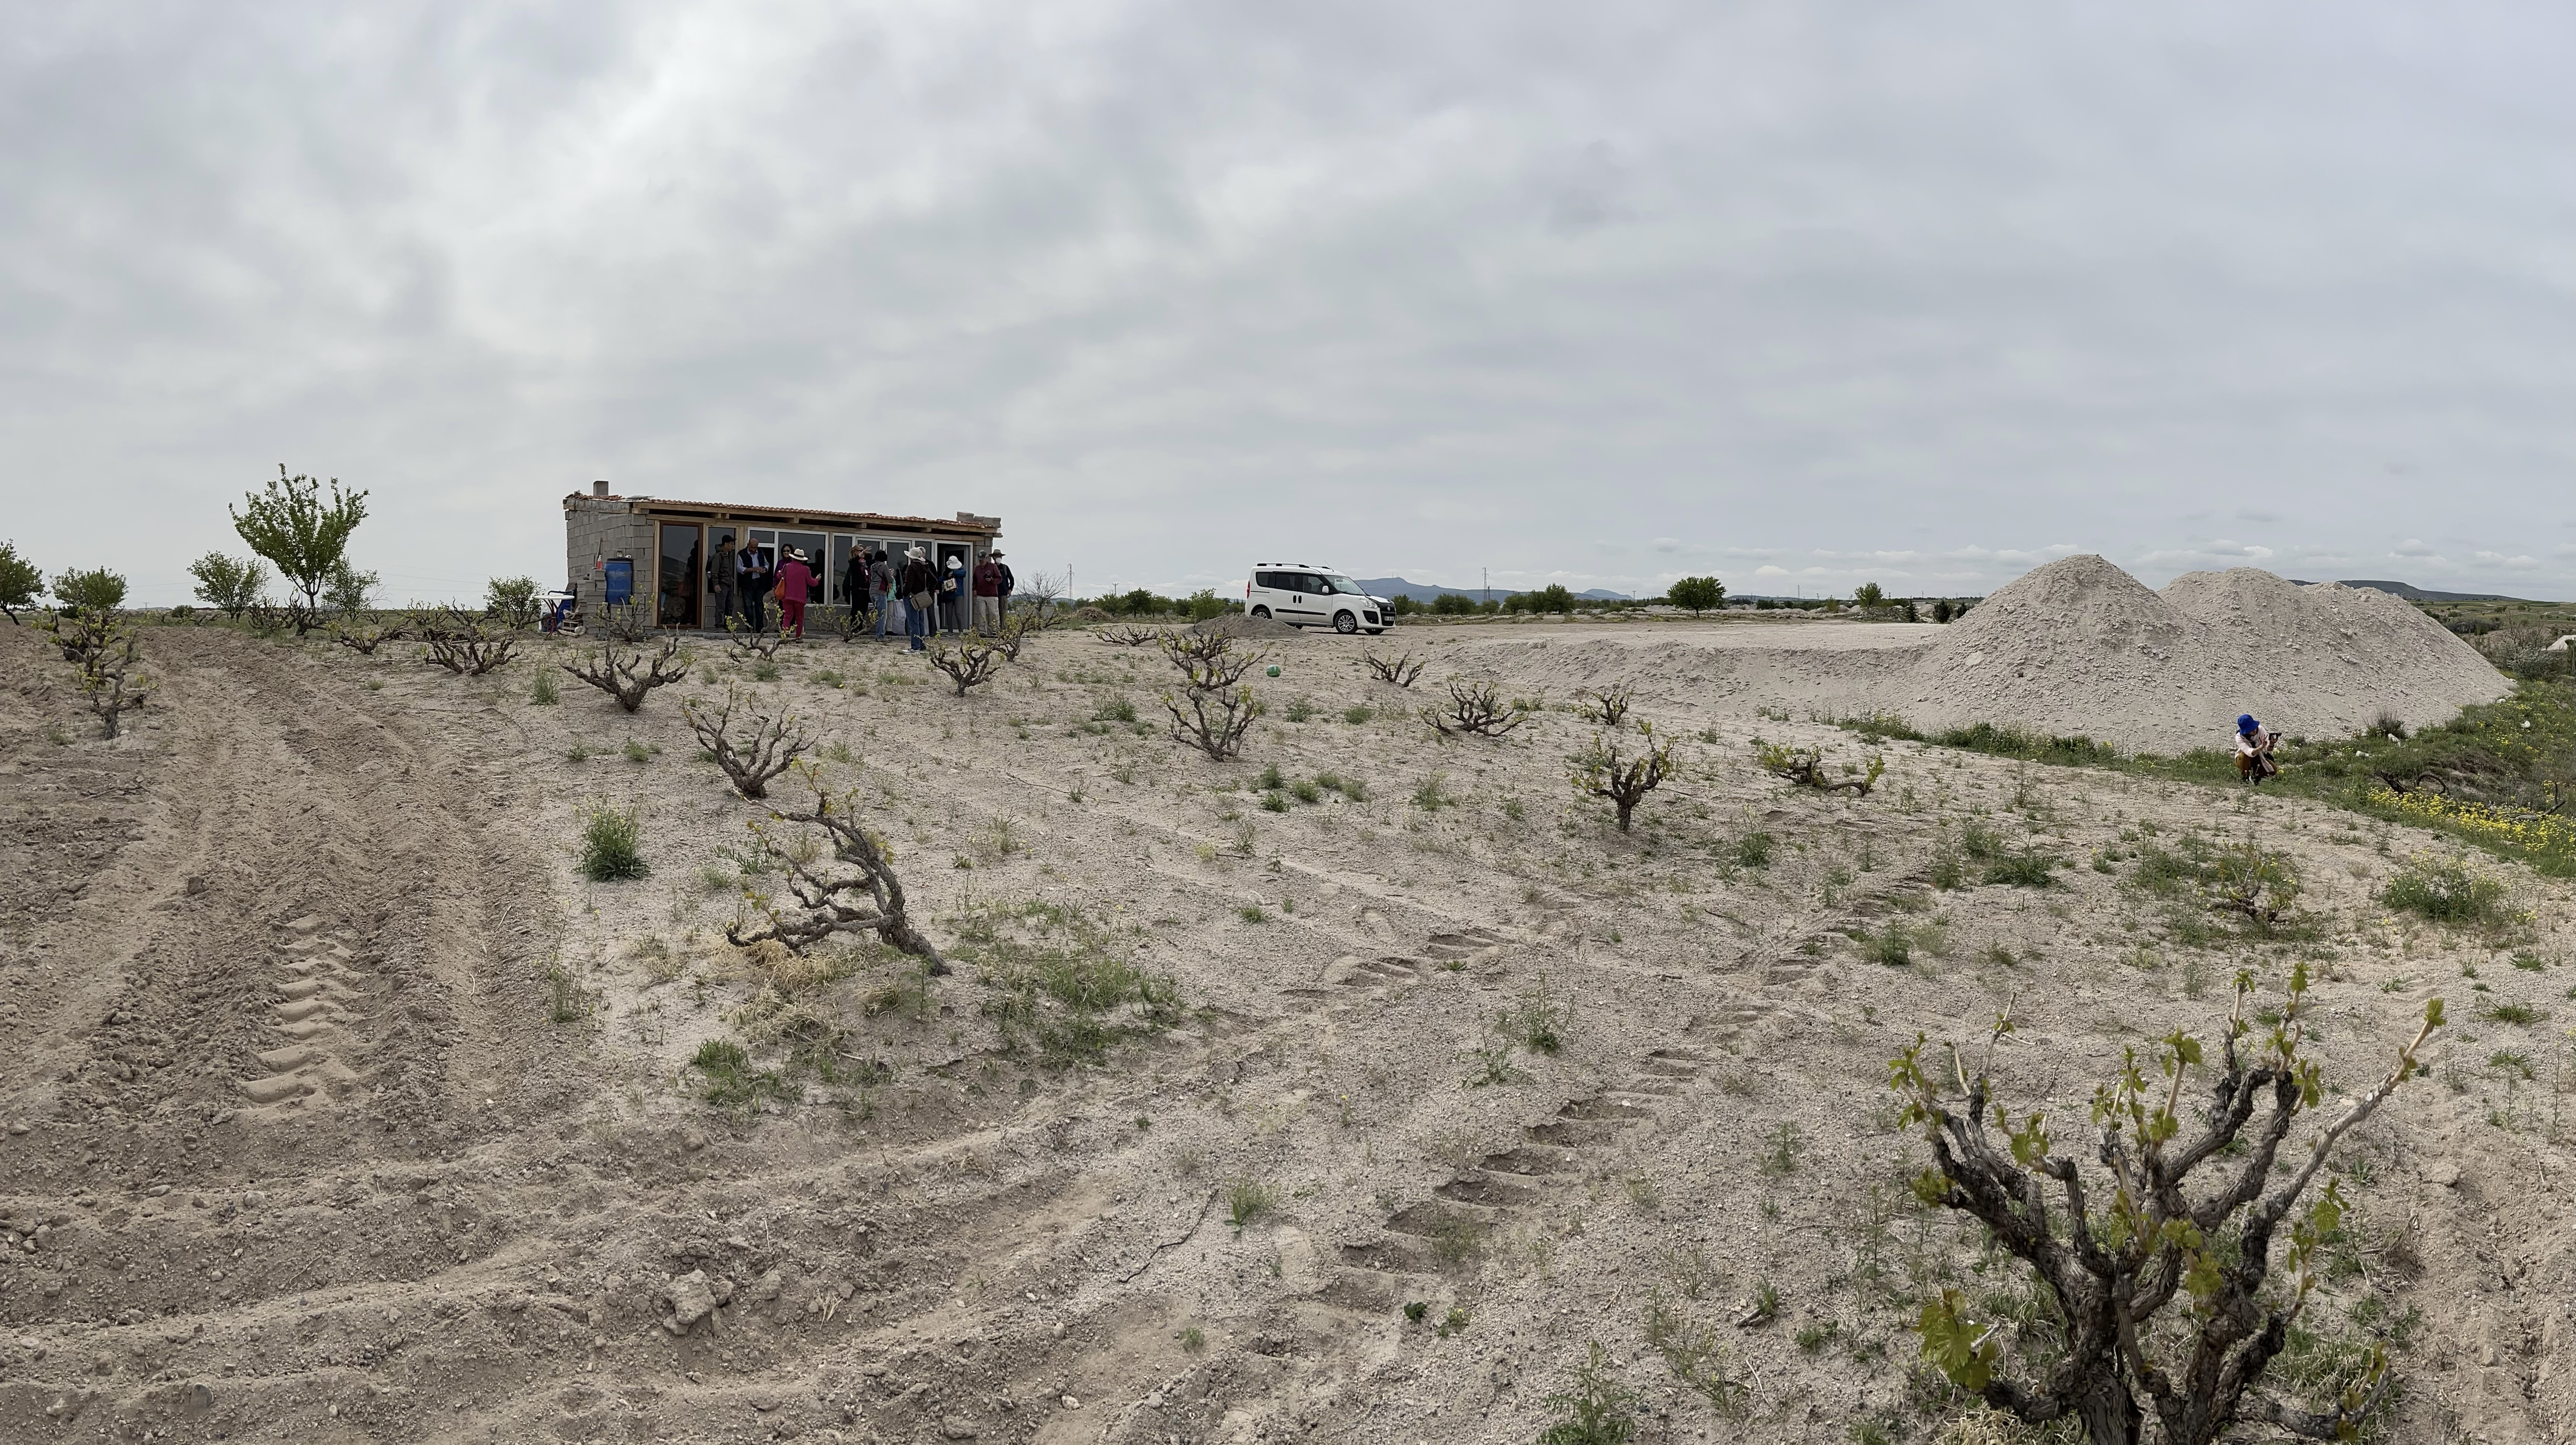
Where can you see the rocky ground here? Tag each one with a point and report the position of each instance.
(344, 1108)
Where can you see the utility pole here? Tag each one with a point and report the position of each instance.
(1488, 574)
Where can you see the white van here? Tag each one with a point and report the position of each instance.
(1304, 595)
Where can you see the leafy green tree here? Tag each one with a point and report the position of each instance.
(94, 590)
(1452, 604)
(1869, 594)
(348, 591)
(229, 585)
(306, 538)
(1204, 604)
(513, 600)
(20, 583)
(1698, 594)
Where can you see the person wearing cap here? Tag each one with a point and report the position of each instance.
(988, 595)
(795, 584)
(720, 578)
(2254, 744)
(1010, 584)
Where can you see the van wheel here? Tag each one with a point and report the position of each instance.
(1345, 623)
(1260, 611)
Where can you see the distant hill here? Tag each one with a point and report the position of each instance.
(2418, 594)
(1422, 592)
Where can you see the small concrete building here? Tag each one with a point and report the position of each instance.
(666, 547)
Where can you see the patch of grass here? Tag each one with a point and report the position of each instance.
(1428, 796)
(1416, 1310)
(1301, 710)
(1272, 779)
(2445, 890)
(1350, 788)
(1753, 850)
(2022, 870)
(2519, 1014)
(731, 1079)
(1596, 1409)
(1193, 1339)
(1454, 1322)
(1305, 792)
(612, 843)
(1894, 944)
(1356, 714)
(1058, 981)
(1252, 913)
(1981, 842)
(542, 692)
(1539, 1022)
(1249, 1200)
(1780, 1155)
(639, 751)
(1274, 802)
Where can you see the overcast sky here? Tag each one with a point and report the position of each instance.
(1802, 294)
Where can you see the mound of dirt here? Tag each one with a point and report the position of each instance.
(1235, 624)
(2330, 659)
(2079, 646)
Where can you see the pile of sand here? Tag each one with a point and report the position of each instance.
(1236, 624)
(2080, 646)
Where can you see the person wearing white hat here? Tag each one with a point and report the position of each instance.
(918, 579)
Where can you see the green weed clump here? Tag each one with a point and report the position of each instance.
(731, 1079)
(1753, 850)
(2446, 890)
(1249, 1200)
(2022, 870)
(1596, 1409)
(612, 843)
(1057, 982)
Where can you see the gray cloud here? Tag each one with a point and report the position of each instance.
(1764, 290)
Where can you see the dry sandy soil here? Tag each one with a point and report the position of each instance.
(340, 1107)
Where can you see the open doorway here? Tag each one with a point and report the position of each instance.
(678, 585)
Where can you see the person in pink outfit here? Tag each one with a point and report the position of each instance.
(795, 582)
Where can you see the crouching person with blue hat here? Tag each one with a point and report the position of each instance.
(2254, 744)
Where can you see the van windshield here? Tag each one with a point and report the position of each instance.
(1344, 584)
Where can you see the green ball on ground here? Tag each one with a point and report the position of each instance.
(1273, 669)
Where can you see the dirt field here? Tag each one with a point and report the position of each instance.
(341, 1108)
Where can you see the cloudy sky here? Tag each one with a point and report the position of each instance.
(1804, 294)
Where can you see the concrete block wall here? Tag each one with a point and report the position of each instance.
(598, 528)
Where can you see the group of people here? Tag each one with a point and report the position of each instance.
(908, 593)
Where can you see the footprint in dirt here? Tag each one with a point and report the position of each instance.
(318, 988)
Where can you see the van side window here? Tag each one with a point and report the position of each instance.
(1271, 580)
